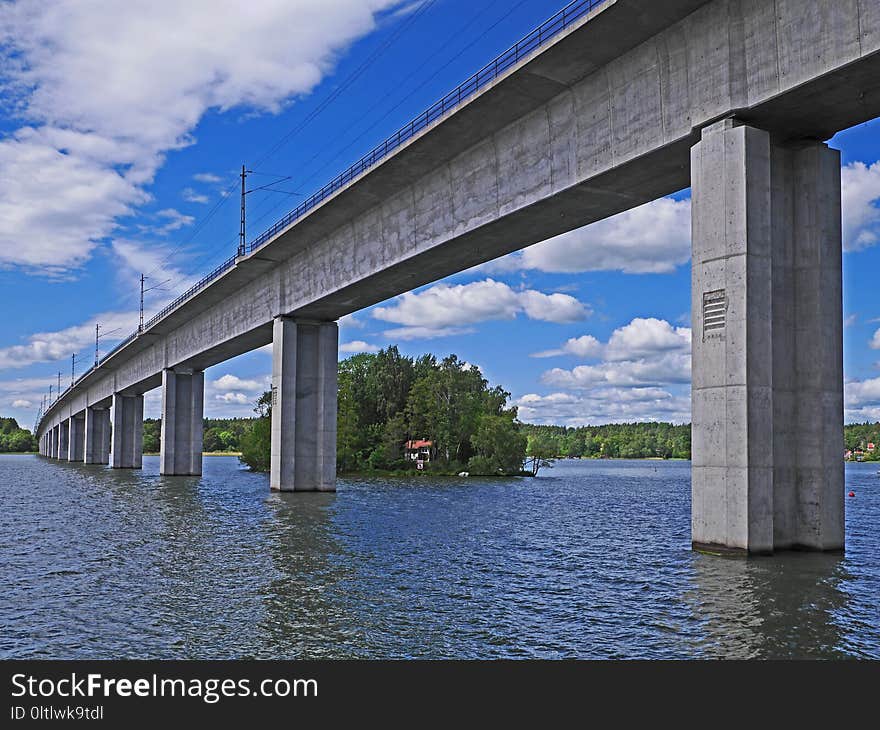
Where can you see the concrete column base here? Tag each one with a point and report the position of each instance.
(767, 389)
(183, 397)
(304, 367)
(127, 433)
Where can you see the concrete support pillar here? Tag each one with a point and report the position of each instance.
(127, 433)
(64, 440)
(183, 401)
(97, 436)
(76, 438)
(304, 364)
(767, 389)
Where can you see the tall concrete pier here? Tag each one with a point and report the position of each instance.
(304, 388)
(183, 396)
(97, 436)
(127, 437)
(767, 343)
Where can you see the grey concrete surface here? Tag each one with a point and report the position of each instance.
(97, 436)
(76, 438)
(183, 398)
(767, 319)
(303, 453)
(127, 435)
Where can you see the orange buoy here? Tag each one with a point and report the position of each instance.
(852, 494)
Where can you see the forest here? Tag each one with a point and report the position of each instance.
(15, 438)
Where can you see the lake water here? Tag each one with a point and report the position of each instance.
(592, 559)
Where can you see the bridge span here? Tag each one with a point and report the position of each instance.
(608, 105)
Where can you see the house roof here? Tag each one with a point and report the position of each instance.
(419, 444)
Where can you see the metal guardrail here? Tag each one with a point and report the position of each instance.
(537, 38)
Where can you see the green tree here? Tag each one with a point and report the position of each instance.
(498, 444)
(256, 443)
(152, 433)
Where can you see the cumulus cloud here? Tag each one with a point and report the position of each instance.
(58, 345)
(444, 309)
(106, 91)
(860, 195)
(238, 398)
(641, 338)
(862, 400)
(604, 405)
(644, 369)
(646, 337)
(670, 368)
(56, 205)
(228, 383)
(358, 346)
(586, 347)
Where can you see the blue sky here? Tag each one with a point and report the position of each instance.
(122, 126)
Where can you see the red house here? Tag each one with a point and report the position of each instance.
(418, 451)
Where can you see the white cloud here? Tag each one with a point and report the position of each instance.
(191, 196)
(107, 89)
(874, 344)
(61, 344)
(56, 206)
(228, 383)
(860, 193)
(669, 368)
(586, 347)
(642, 362)
(444, 309)
(358, 346)
(237, 398)
(862, 400)
(651, 239)
(21, 403)
(605, 405)
(645, 337)
(641, 338)
(176, 220)
(862, 393)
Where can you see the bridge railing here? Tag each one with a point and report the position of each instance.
(541, 35)
(490, 72)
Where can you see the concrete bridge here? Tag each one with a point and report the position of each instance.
(609, 105)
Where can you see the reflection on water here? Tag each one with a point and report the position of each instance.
(763, 608)
(592, 559)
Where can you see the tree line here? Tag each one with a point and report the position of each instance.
(387, 399)
(612, 441)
